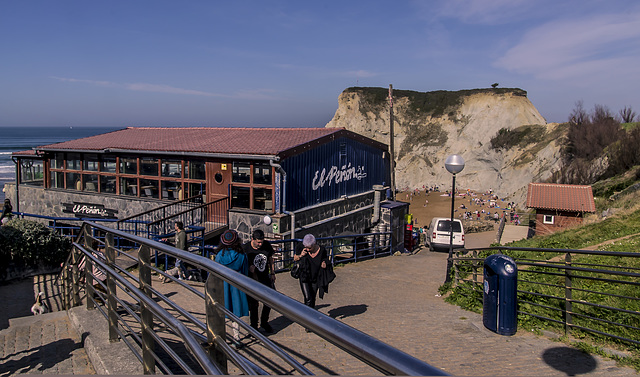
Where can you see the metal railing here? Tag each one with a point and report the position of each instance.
(154, 325)
(580, 290)
(341, 249)
(190, 211)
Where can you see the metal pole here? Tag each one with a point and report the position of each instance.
(450, 258)
(392, 160)
(214, 295)
(146, 316)
(110, 254)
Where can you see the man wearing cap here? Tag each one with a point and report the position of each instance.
(260, 254)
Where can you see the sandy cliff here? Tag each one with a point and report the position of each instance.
(433, 125)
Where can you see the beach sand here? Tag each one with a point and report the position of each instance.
(439, 205)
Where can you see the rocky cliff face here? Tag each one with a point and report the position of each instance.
(503, 139)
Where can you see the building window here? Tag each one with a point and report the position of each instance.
(90, 182)
(548, 219)
(57, 179)
(172, 168)
(128, 166)
(108, 184)
(240, 197)
(128, 175)
(149, 166)
(57, 162)
(241, 172)
(262, 199)
(196, 170)
(129, 186)
(171, 190)
(90, 162)
(108, 164)
(261, 173)
(73, 181)
(149, 188)
(74, 161)
(32, 172)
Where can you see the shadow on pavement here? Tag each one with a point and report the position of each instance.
(569, 360)
(16, 297)
(40, 358)
(347, 311)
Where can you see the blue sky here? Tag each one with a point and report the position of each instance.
(284, 63)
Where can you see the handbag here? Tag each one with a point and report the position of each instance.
(295, 271)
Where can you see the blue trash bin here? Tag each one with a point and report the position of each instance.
(499, 309)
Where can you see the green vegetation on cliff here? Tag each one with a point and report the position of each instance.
(436, 103)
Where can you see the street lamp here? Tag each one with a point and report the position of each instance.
(454, 165)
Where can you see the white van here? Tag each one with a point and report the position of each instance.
(438, 233)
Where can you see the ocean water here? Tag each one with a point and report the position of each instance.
(15, 139)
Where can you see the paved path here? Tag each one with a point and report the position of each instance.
(395, 300)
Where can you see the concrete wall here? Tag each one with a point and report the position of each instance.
(38, 201)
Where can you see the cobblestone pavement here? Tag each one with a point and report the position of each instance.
(46, 344)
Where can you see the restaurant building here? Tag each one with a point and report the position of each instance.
(314, 180)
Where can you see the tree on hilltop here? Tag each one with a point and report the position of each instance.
(627, 114)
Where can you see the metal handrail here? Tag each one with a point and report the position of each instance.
(160, 208)
(370, 350)
(572, 273)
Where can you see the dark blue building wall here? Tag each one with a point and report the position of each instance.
(329, 171)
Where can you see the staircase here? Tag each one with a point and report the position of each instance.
(43, 344)
(202, 220)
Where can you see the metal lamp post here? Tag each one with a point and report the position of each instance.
(454, 165)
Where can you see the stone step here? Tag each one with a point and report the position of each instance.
(43, 344)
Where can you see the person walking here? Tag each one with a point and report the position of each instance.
(7, 212)
(260, 255)
(180, 242)
(230, 254)
(316, 270)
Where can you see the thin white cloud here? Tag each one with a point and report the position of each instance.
(140, 87)
(91, 82)
(579, 47)
(326, 72)
(251, 94)
(478, 11)
(154, 88)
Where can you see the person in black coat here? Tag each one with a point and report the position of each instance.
(316, 270)
(7, 211)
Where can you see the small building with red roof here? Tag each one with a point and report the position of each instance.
(559, 206)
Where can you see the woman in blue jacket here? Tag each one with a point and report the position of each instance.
(231, 255)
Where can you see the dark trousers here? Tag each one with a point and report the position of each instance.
(309, 293)
(253, 312)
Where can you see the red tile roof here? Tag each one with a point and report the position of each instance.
(255, 141)
(575, 198)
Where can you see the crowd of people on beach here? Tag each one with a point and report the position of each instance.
(488, 205)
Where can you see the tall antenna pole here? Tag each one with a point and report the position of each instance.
(392, 159)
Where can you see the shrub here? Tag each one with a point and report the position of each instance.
(26, 243)
(521, 137)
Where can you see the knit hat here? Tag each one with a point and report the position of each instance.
(229, 237)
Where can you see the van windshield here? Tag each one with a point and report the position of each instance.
(445, 226)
